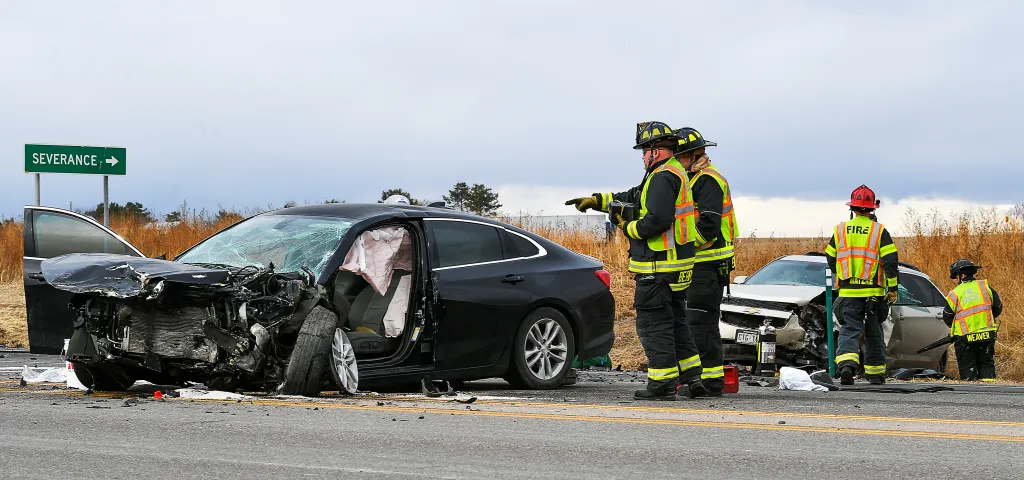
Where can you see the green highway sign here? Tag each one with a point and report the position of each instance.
(75, 159)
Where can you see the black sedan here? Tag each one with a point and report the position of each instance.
(369, 294)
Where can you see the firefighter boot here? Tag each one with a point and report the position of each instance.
(846, 375)
(876, 379)
(694, 389)
(646, 394)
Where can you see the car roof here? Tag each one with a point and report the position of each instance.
(359, 211)
(822, 259)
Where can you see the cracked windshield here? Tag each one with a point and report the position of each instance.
(787, 272)
(287, 241)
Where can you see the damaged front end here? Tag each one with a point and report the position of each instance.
(800, 324)
(170, 322)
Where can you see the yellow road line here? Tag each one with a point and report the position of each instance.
(949, 421)
(645, 421)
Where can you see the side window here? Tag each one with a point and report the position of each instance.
(56, 234)
(918, 292)
(516, 246)
(463, 243)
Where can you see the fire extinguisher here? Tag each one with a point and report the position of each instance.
(766, 350)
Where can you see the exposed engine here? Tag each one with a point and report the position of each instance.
(236, 326)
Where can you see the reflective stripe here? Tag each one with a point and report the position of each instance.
(988, 380)
(715, 254)
(676, 265)
(854, 357)
(972, 307)
(713, 372)
(874, 369)
(689, 363)
(846, 253)
(684, 210)
(662, 373)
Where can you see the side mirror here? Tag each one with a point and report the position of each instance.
(740, 279)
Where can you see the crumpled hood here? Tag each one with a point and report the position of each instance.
(121, 276)
(796, 294)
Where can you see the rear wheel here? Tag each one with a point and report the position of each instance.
(308, 364)
(543, 351)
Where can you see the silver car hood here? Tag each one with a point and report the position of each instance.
(795, 294)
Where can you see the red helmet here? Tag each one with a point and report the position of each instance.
(863, 197)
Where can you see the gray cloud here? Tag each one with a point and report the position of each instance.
(248, 103)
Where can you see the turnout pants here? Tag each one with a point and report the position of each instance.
(702, 303)
(862, 316)
(976, 360)
(663, 335)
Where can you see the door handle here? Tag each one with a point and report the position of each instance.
(37, 276)
(513, 279)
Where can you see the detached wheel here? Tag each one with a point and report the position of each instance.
(543, 351)
(308, 364)
(343, 363)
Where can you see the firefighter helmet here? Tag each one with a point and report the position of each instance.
(863, 197)
(962, 266)
(649, 134)
(690, 139)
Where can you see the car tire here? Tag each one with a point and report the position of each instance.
(103, 379)
(531, 364)
(308, 364)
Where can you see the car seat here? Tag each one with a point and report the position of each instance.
(366, 320)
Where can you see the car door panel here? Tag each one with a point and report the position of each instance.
(917, 322)
(478, 305)
(51, 232)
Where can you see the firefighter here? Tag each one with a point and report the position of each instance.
(716, 228)
(971, 312)
(865, 264)
(661, 255)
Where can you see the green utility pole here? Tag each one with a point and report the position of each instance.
(828, 315)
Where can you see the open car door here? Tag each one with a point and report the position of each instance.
(52, 232)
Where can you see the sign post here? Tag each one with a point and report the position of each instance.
(75, 159)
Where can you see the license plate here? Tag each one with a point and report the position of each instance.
(746, 337)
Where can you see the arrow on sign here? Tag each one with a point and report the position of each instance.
(112, 161)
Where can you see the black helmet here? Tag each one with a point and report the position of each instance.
(690, 139)
(962, 266)
(651, 133)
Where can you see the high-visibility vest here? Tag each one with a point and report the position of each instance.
(857, 251)
(682, 231)
(729, 229)
(971, 302)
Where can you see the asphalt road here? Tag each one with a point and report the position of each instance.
(590, 430)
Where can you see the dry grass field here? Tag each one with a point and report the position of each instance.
(933, 242)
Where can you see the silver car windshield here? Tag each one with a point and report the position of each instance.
(790, 272)
(288, 241)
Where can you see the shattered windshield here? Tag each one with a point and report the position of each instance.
(287, 241)
(790, 272)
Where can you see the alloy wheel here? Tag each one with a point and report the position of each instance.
(343, 363)
(546, 349)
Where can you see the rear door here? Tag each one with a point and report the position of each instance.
(51, 232)
(481, 294)
(917, 321)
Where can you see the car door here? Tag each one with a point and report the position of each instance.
(51, 232)
(480, 294)
(917, 321)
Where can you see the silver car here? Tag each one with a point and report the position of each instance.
(789, 293)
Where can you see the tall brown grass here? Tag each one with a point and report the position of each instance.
(933, 242)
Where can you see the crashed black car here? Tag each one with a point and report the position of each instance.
(288, 300)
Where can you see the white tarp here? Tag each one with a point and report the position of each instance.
(50, 375)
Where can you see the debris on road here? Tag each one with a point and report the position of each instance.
(50, 375)
(796, 379)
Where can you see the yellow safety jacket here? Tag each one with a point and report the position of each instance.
(720, 248)
(971, 302)
(858, 252)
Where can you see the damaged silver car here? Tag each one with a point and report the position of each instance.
(789, 294)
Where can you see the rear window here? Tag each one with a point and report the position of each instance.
(464, 243)
(517, 246)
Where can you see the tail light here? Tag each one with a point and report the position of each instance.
(606, 278)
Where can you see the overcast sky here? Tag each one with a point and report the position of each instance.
(244, 104)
